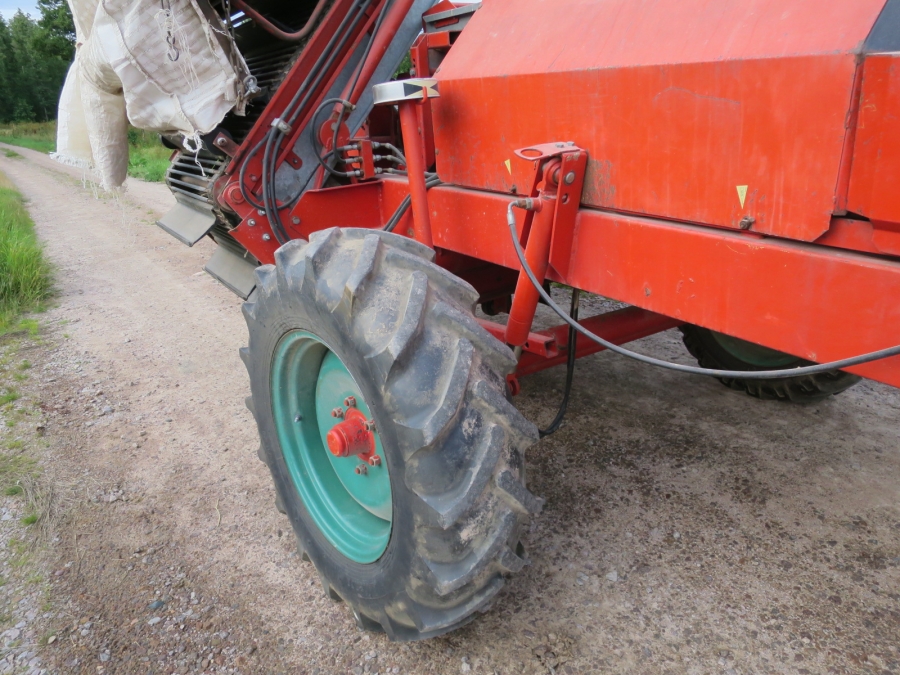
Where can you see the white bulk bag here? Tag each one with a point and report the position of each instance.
(161, 67)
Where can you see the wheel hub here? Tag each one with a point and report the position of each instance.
(353, 436)
(324, 446)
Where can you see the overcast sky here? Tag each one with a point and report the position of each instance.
(9, 7)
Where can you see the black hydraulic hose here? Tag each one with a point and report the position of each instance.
(323, 159)
(346, 105)
(570, 370)
(643, 358)
(404, 205)
(245, 193)
(269, 198)
(329, 54)
(273, 145)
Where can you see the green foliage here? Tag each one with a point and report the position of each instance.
(34, 58)
(40, 136)
(25, 280)
(148, 159)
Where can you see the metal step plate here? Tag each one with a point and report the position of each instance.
(186, 223)
(233, 271)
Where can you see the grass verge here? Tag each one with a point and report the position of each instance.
(148, 159)
(40, 136)
(25, 276)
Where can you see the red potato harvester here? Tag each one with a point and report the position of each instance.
(730, 168)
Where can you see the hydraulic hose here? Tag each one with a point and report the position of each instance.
(643, 358)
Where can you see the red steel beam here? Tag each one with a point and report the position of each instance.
(543, 344)
(619, 327)
(816, 302)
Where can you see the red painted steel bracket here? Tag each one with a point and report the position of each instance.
(541, 344)
(556, 185)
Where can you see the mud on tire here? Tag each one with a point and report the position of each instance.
(710, 353)
(435, 383)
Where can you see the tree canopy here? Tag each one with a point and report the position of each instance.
(34, 58)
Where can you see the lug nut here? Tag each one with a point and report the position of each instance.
(375, 460)
(350, 401)
(361, 470)
(337, 412)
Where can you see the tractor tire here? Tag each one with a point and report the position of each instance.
(434, 383)
(713, 350)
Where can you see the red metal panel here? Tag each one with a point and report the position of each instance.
(816, 302)
(690, 110)
(875, 176)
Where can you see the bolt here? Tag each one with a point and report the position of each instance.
(337, 412)
(370, 425)
(251, 223)
(261, 212)
(221, 141)
(570, 178)
(298, 418)
(560, 145)
(375, 460)
(295, 220)
(361, 470)
(350, 401)
(266, 237)
(747, 222)
(253, 176)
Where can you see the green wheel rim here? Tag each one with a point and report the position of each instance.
(353, 511)
(754, 354)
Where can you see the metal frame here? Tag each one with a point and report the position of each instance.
(759, 280)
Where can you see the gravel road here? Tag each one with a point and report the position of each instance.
(688, 528)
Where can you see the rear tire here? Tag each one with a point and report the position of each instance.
(716, 351)
(434, 382)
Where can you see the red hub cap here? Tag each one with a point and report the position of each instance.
(352, 437)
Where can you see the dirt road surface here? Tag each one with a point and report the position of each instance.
(688, 528)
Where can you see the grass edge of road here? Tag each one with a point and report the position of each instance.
(32, 501)
(25, 274)
(26, 283)
(148, 159)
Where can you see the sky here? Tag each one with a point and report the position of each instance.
(9, 7)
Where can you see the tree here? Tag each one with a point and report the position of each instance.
(34, 58)
(56, 30)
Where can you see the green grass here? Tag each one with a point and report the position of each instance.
(40, 136)
(8, 396)
(25, 279)
(148, 159)
(11, 153)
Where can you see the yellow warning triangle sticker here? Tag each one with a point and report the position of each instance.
(742, 194)
(508, 166)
